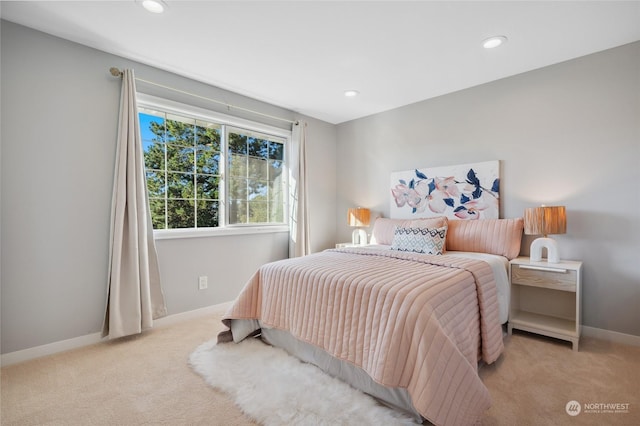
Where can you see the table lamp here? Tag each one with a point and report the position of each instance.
(359, 217)
(545, 220)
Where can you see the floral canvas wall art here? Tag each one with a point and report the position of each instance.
(466, 192)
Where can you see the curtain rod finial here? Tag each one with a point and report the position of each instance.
(115, 72)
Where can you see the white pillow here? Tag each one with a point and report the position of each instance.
(419, 240)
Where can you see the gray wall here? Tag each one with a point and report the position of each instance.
(59, 114)
(566, 134)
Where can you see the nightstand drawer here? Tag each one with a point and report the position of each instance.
(545, 277)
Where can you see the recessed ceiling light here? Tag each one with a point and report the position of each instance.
(351, 93)
(153, 6)
(493, 42)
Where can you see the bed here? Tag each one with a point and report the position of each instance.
(408, 328)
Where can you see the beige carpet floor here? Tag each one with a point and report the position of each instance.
(146, 380)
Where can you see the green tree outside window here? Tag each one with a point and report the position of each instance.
(183, 169)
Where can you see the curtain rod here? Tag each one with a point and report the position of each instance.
(117, 73)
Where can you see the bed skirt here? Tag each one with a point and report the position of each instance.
(396, 398)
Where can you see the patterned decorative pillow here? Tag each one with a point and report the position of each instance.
(419, 240)
(384, 228)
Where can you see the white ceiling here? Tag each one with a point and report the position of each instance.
(302, 55)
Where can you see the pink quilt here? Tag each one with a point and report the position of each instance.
(410, 320)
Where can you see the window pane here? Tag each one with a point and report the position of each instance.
(258, 212)
(207, 187)
(208, 214)
(155, 184)
(275, 193)
(181, 214)
(180, 158)
(257, 189)
(237, 188)
(151, 126)
(275, 169)
(153, 155)
(276, 151)
(258, 168)
(180, 185)
(157, 213)
(207, 161)
(237, 143)
(276, 212)
(237, 165)
(237, 211)
(208, 135)
(180, 130)
(258, 147)
(276, 204)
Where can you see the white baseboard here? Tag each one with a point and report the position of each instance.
(611, 336)
(184, 316)
(49, 349)
(90, 339)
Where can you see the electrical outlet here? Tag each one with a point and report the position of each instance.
(202, 282)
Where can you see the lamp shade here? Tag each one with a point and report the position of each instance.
(358, 217)
(545, 220)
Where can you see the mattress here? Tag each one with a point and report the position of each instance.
(499, 266)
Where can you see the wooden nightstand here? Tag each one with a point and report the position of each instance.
(546, 298)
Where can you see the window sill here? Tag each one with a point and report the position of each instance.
(169, 234)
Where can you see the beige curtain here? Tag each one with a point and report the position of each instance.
(299, 244)
(134, 296)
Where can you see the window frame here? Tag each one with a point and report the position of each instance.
(227, 121)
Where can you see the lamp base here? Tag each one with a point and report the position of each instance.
(535, 253)
(359, 237)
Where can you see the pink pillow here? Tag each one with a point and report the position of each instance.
(494, 236)
(384, 228)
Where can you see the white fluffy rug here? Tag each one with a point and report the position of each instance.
(275, 388)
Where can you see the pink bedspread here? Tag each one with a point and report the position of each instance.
(409, 320)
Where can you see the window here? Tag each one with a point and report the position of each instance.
(191, 185)
(256, 164)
